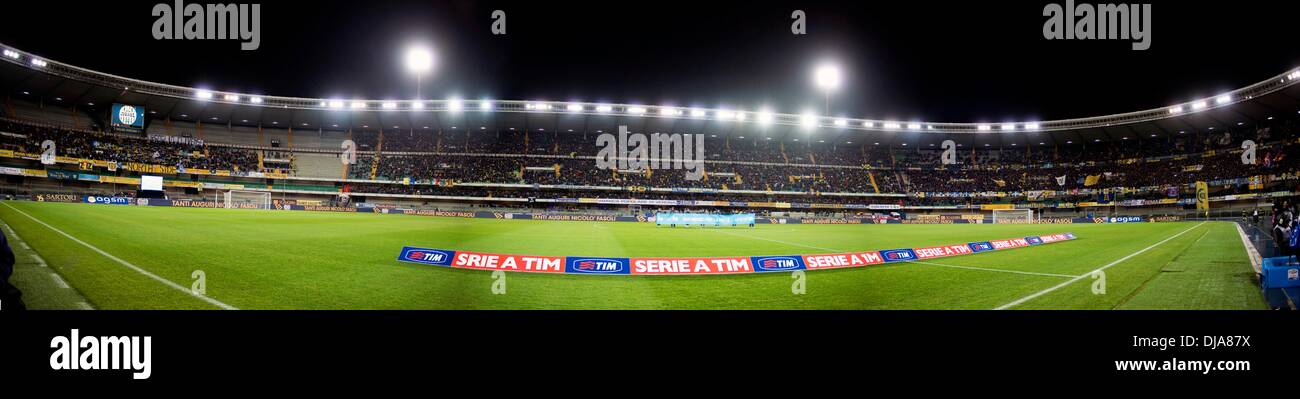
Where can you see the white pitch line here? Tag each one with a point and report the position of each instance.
(1082, 276)
(24, 244)
(85, 306)
(38, 260)
(781, 242)
(59, 280)
(164, 281)
(995, 270)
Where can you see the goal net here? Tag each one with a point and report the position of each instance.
(1013, 216)
(239, 199)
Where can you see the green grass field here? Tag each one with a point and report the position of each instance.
(321, 260)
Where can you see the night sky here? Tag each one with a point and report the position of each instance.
(952, 62)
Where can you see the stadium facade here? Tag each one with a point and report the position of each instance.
(516, 157)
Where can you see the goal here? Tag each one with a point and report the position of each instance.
(240, 199)
(1013, 216)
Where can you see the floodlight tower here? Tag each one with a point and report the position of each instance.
(827, 77)
(420, 61)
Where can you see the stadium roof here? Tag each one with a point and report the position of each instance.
(26, 74)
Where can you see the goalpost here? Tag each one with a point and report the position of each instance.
(240, 199)
(1013, 216)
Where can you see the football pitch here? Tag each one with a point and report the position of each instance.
(135, 257)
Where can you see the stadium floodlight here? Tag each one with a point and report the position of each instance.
(232, 97)
(765, 117)
(914, 126)
(604, 108)
(1031, 126)
(39, 62)
(417, 104)
(725, 114)
(740, 116)
(574, 108)
(983, 128)
(358, 105)
(808, 120)
(841, 122)
(11, 54)
(255, 100)
(827, 77)
(1223, 99)
(485, 105)
(892, 125)
(1177, 109)
(697, 113)
(636, 110)
(203, 95)
(335, 104)
(1199, 105)
(868, 124)
(455, 105)
(389, 105)
(1008, 126)
(668, 111)
(420, 61)
(1293, 76)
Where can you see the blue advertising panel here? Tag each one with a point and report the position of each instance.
(595, 265)
(703, 219)
(436, 257)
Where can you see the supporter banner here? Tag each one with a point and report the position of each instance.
(711, 265)
(703, 219)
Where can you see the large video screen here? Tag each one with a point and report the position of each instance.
(126, 118)
(151, 183)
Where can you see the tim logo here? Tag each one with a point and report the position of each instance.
(425, 256)
(898, 255)
(777, 264)
(1034, 240)
(598, 266)
(981, 246)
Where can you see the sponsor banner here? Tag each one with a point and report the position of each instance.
(703, 219)
(898, 255)
(59, 198)
(595, 265)
(686, 266)
(514, 263)
(836, 261)
(94, 199)
(943, 251)
(715, 265)
(1124, 219)
(776, 263)
(436, 257)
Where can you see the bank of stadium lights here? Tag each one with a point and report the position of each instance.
(841, 122)
(485, 105)
(12, 54)
(1177, 109)
(231, 97)
(1199, 105)
(697, 113)
(455, 105)
(1031, 126)
(39, 62)
(332, 104)
(1223, 99)
(808, 120)
(914, 126)
(358, 105)
(635, 110)
(891, 125)
(203, 95)
(765, 117)
(255, 100)
(669, 111)
(983, 128)
(604, 109)
(388, 105)
(573, 108)
(1008, 126)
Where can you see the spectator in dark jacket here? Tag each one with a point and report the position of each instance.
(10, 297)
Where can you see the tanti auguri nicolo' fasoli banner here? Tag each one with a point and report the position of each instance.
(712, 265)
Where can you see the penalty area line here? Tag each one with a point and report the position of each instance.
(1082, 276)
(146, 273)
